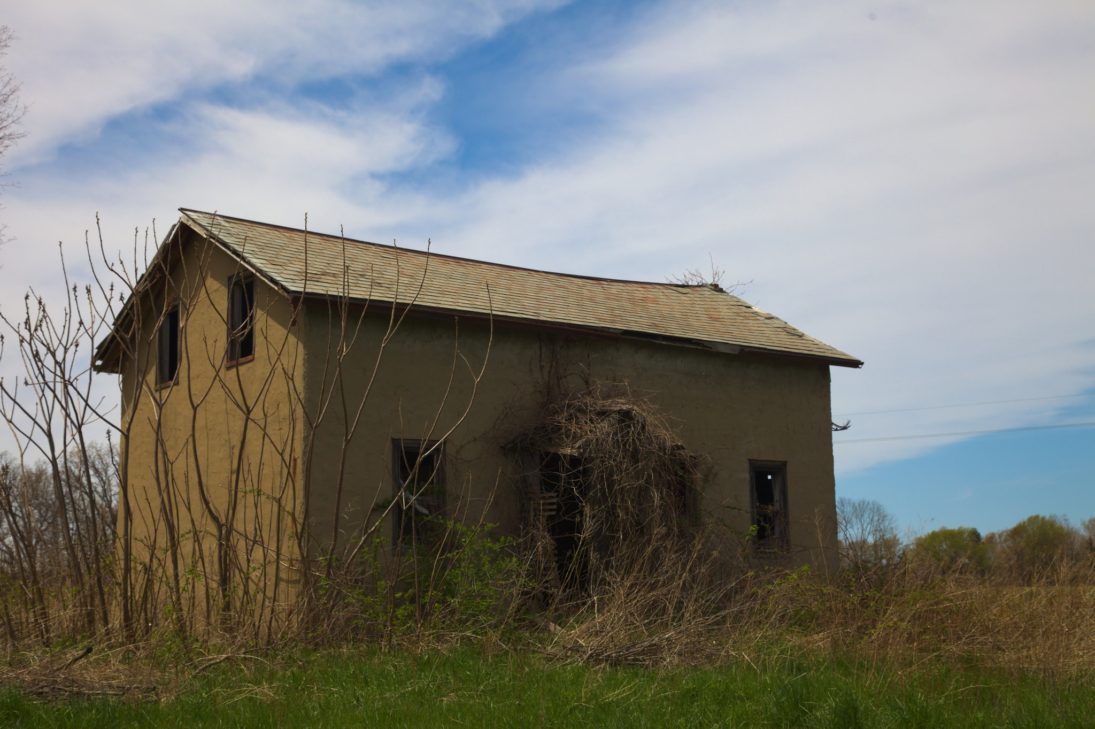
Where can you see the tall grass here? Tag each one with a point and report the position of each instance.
(690, 613)
(468, 688)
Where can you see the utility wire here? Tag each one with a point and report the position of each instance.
(963, 405)
(920, 436)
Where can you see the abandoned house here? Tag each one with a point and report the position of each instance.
(307, 389)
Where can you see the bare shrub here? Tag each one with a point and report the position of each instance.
(612, 480)
(628, 573)
(667, 606)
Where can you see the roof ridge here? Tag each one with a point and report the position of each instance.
(449, 256)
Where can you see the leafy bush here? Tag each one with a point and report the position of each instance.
(958, 549)
(1037, 546)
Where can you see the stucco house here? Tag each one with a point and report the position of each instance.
(294, 387)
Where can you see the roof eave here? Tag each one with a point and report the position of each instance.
(836, 361)
(691, 343)
(104, 358)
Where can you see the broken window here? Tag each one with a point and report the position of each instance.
(167, 347)
(419, 494)
(768, 481)
(241, 318)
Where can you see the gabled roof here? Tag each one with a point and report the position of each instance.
(307, 263)
(303, 262)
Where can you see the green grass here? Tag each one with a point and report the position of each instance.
(465, 688)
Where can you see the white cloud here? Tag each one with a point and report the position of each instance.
(910, 183)
(911, 188)
(83, 64)
(238, 136)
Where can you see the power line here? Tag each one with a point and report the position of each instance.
(921, 436)
(962, 405)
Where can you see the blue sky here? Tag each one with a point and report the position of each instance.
(909, 181)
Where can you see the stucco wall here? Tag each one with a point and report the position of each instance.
(327, 398)
(728, 408)
(185, 440)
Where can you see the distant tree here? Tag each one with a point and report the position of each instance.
(867, 534)
(1089, 532)
(959, 549)
(1036, 546)
(11, 111)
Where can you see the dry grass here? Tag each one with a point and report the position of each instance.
(657, 590)
(84, 673)
(899, 616)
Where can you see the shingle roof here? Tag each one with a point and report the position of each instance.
(302, 262)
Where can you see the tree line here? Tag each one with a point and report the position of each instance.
(1034, 549)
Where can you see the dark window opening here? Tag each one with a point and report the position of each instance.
(562, 501)
(419, 506)
(768, 481)
(167, 348)
(241, 318)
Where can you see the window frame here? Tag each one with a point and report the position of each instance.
(235, 339)
(402, 537)
(778, 538)
(166, 329)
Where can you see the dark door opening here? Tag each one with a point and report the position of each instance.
(562, 493)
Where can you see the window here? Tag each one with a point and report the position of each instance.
(768, 483)
(167, 347)
(419, 491)
(241, 319)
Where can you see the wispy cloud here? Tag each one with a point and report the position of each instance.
(911, 183)
(83, 64)
(905, 182)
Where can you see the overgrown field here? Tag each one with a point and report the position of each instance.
(471, 688)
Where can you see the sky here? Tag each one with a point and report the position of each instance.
(911, 182)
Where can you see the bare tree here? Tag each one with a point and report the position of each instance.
(152, 532)
(867, 533)
(11, 110)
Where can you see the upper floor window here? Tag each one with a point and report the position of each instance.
(768, 484)
(241, 318)
(167, 347)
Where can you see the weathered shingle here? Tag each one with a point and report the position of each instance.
(310, 263)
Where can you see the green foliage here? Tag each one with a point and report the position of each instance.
(1037, 545)
(467, 582)
(465, 688)
(483, 579)
(959, 549)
